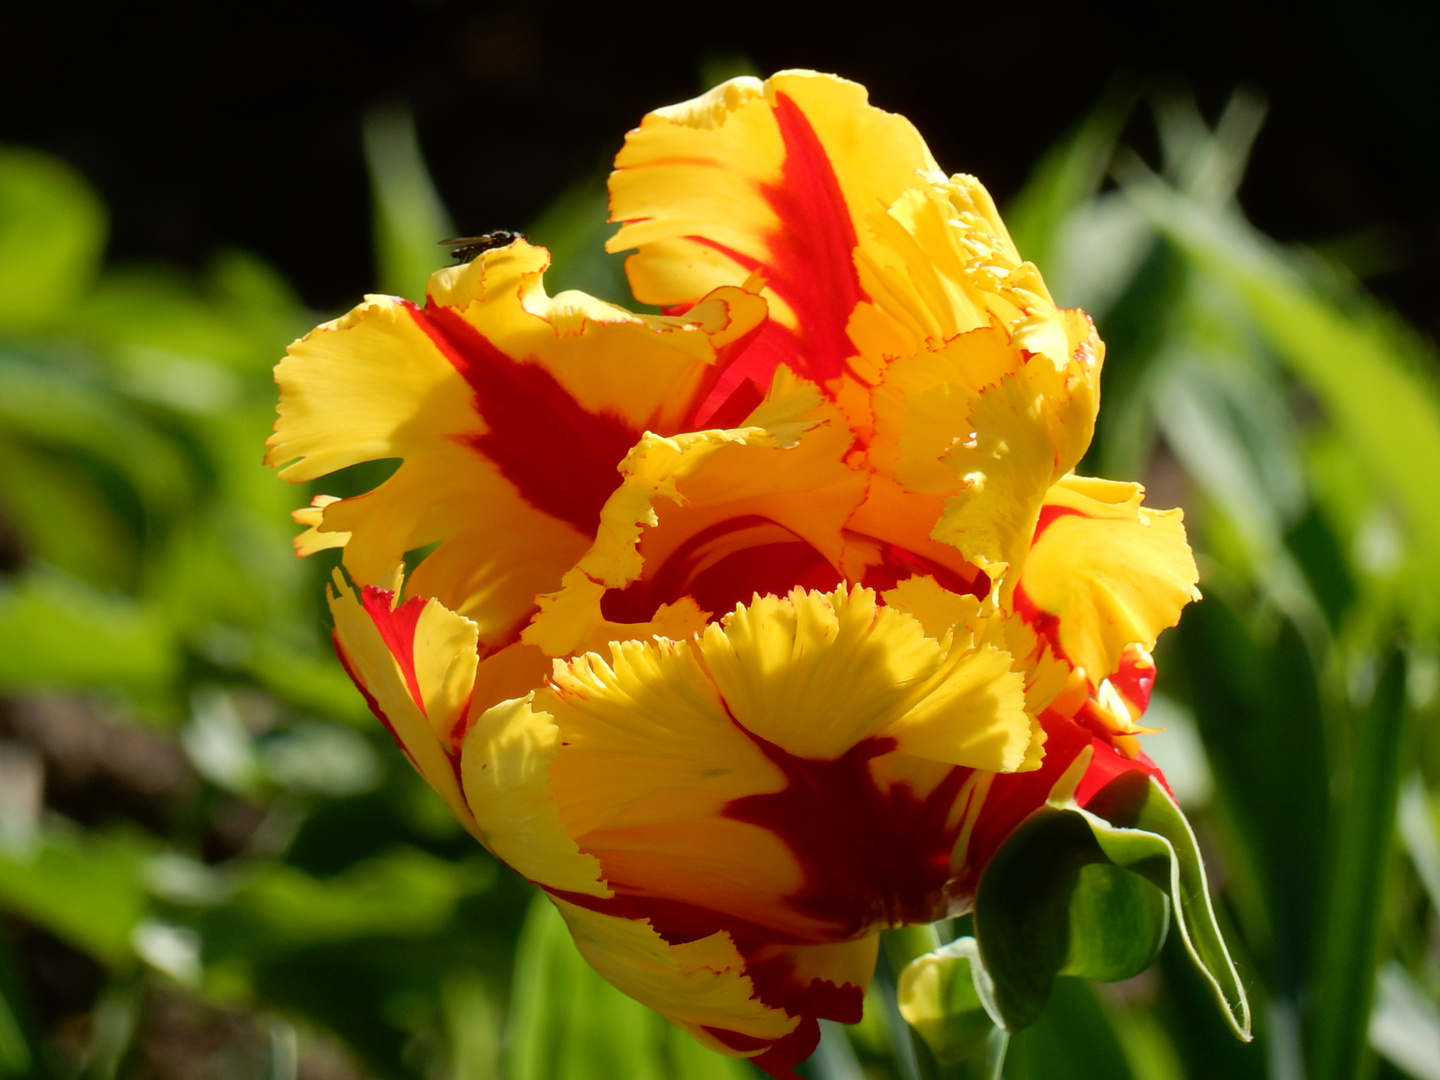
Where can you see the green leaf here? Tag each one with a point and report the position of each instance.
(403, 893)
(18, 1036)
(1111, 910)
(1028, 930)
(54, 405)
(1348, 940)
(1065, 180)
(1405, 1026)
(84, 889)
(60, 632)
(1074, 1040)
(1134, 803)
(52, 231)
(1258, 703)
(1370, 375)
(472, 1026)
(567, 1023)
(1044, 910)
(946, 996)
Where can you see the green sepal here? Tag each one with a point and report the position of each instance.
(1136, 801)
(947, 997)
(1072, 892)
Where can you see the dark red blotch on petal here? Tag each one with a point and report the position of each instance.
(784, 1054)
(560, 456)
(870, 857)
(778, 985)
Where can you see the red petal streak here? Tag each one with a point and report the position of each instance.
(370, 698)
(868, 857)
(1135, 680)
(561, 457)
(397, 628)
(1046, 625)
(809, 261)
(1014, 796)
(812, 254)
(724, 565)
(898, 564)
(1048, 515)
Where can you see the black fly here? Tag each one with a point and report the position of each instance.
(465, 248)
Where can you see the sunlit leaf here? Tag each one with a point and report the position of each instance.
(60, 632)
(1134, 803)
(404, 893)
(1038, 914)
(1365, 370)
(84, 889)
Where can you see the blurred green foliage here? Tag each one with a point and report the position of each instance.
(212, 863)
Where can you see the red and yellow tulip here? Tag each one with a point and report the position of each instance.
(751, 628)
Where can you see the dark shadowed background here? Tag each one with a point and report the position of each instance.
(207, 126)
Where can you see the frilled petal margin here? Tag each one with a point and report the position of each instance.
(707, 519)
(416, 666)
(775, 176)
(793, 778)
(1104, 573)
(508, 411)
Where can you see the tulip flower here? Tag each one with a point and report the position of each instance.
(751, 628)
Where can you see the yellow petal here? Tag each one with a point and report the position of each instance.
(941, 263)
(644, 370)
(868, 670)
(923, 407)
(981, 420)
(700, 985)
(774, 176)
(1006, 469)
(416, 666)
(942, 612)
(312, 517)
(509, 412)
(711, 187)
(650, 764)
(736, 782)
(1105, 573)
(695, 511)
(505, 765)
